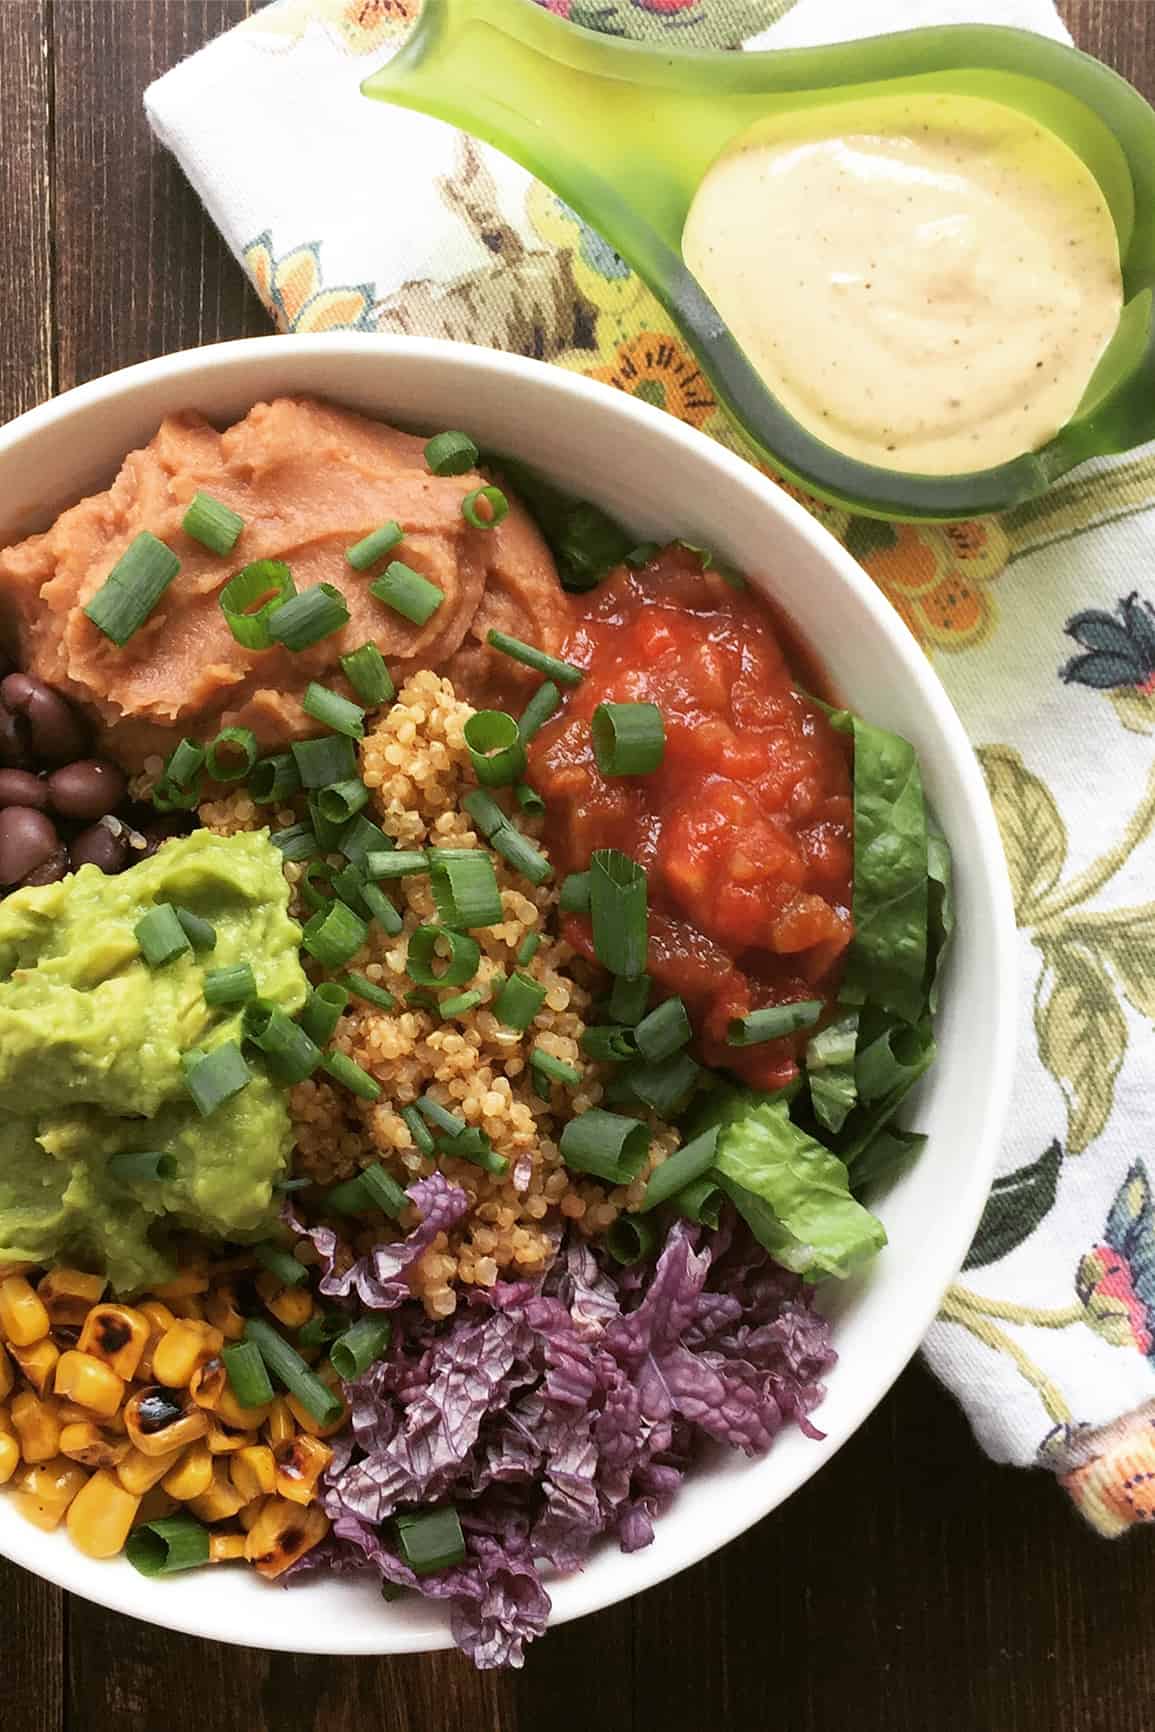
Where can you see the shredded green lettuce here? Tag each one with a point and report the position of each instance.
(830, 1071)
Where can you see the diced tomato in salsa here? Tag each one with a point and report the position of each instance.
(745, 830)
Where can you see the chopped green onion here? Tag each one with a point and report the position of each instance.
(361, 987)
(456, 969)
(274, 780)
(233, 985)
(252, 596)
(631, 1238)
(464, 886)
(307, 618)
(692, 1161)
(618, 907)
(245, 1370)
(360, 1346)
(324, 762)
(322, 1011)
(231, 755)
(519, 1001)
(665, 1031)
(169, 1544)
(701, 1201)
(474, 1146)
(529, 800)
(161, 936)
(395, 862)
(286, 1186)
(290, 1054)
(629, 739)
(201, 934)
(333, 711)
(628, 999)
(334, 935)
(418, 1130)
(323, 1326)
(451, 454)
(297, 842)
(773, 1022)
(383, 1190)
(366, 672)
(609, 1045)
(436, 1114)
(214, 525)
(167, 797)
(349, 885)
(554, 1068)
(132, 588)
(519, 852)
(422, 998)
(407, 592)
(287, 1366)
(666, 1087)
(215, 1077)
(132, 1167)
(342, 801)
(643, 553)
(328, 834)
(352, 1076)
(528, 948)
(485, 812)
(381, 909)
(374, 546)
(433, 1540)
(495, 748)
(495, 502)
(562, 673)
(362, 838)
(606, 1144)
(461, 1004)
(348, 1198)
(544, 703)
(282, 1264)
(186, 760)
(574, 896)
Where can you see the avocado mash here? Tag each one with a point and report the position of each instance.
(90, 1046)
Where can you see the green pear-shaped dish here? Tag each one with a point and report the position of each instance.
(624, 132)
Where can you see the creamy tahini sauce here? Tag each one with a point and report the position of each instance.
(926, 282)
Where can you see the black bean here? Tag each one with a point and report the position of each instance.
(88, 788)
(27, 840)
(100, 847)
(13, 740)
(22, 788)
(53, 870)
(57, 734)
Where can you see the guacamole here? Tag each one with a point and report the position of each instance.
(90, 1047)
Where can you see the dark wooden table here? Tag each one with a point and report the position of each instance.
(914, 1586)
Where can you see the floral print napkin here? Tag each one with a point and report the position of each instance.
(1040, 623)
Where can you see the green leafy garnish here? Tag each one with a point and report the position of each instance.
(830, 1071)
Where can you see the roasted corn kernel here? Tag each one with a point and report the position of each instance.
(37, 1426)
(160, 1420)
(118, 1335)
(37, 1362)
(279, 1427)
(251, 1511)
(224, 1548)
(138, 1473)
(291, 1306)
(192, 1475)
(222, 1312)
(188, 1281)
(100, 1516)
(221, 1500)
(84, 1442)
(23, 1316)
(9, 1456)
(42, 1493)
(210, 1389)
(7, 1375)
(305, 1419)
(89, 1382)
(154, 1505)
(300, 1464)
(282, 1533)
(253, 1470)
(7, 1429)
(181, 1349)
(69, 1294)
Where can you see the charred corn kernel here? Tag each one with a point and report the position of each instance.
(161, 1420)
(42, 1494)
(7, 1375)
(23, 1315)
(291, 1306)
(192, 1475)
(223, 1440)
(305, 1419)
(100, 1516)
(251, 1511)
(9, 1457)
(153, 1505)
(68, 1295)
(221, 1500)
(225, 1548)
(138, 1473)
(37, 1362)
(89, 1382)
(253, 1471)
(188, 1281)
(181, 1349)
(300, 1464)
(118, 1335)
(222, 1311)
(210, 1388)
(84, 1442)
(279, 1427)
(282, 1533)
(37, 1426)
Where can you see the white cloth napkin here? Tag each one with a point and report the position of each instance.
(348, 213)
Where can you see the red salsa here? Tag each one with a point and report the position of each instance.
(745, 830)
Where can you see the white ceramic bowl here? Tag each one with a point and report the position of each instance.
(663, 480)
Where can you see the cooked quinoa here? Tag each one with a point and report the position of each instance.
(416, 766)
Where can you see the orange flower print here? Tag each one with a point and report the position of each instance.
(357, 26)
(655, 367)
(293, 292)
(935, 575)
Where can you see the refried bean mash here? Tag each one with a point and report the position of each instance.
(605, 953)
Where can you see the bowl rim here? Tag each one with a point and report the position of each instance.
(118, 1587)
